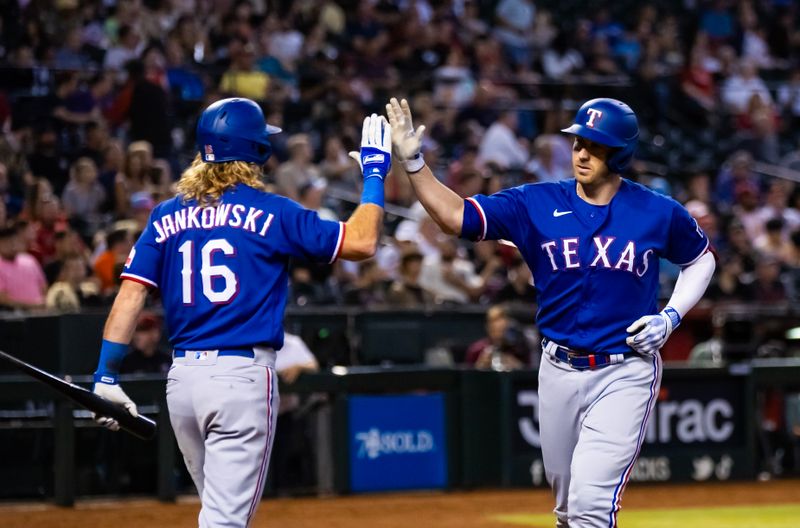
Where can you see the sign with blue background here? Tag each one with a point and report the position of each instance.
(397, 442)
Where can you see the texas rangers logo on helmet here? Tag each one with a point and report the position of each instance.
(209, 153)
(593, 114)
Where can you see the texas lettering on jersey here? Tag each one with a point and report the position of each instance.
(626, 259)
(232, 215)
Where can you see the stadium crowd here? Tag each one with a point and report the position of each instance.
(98, 101)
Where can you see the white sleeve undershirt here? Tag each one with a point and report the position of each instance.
(692, 283)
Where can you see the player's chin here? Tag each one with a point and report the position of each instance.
(585, 176)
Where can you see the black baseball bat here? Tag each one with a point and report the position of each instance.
(140, 426)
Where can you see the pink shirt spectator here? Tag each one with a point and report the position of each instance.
(22, 279)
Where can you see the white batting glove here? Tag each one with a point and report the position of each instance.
(114, 394)
(375, 157)
(649, 333)
(406, 141)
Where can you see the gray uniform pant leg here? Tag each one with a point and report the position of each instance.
(224, 417)
(592, 426)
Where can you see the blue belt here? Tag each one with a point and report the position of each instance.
(241, 352)
(585, 360)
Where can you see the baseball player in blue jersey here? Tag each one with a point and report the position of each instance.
(593, 244)
(218, 252)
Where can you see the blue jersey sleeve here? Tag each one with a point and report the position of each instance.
(501, 215)
(686, 241)
(144, 260)
(308, 236)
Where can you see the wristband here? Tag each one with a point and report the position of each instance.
(414, 164)
(111, 355)
(673, 315)
(373, 191)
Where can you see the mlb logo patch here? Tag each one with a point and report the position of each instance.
(209, 150)
(201, 355)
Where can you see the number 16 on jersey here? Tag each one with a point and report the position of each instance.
(208, 271)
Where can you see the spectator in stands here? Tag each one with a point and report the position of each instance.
(500, 144)
(299, 169)
(67, 245)
(740, 246)
(96, 142)
(129, 46)
(718, 22)
(118, 246)
(514, 28)
(777, 206)
(490, 267)
(519, 289)
(147, 355)
(149, 111)
(561, 61)
(9, 197)
(67, 292)
(759, 129)
(369, 286)
(736, 173)
(728, 285)
(772, 242)
(504, 346)
(739, 88)
(243, 79)
(450, 277)
(22, 281)
(336, 166)
(140, 174)
(698, 87)
(754, 42)
(83, 196)
(45, 218)
(552, 160)
(406, 291)
(142, 204)
(71, 55)
(310, 196)
(46, 161)
(767, 287)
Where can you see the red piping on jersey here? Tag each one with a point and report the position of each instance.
(137, 279)
(478, 208)
(341, 242)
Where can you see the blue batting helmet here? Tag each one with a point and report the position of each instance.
(234, 130)
(612, 123)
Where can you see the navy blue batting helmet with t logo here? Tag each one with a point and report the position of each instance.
(612, 123)
(234, 130)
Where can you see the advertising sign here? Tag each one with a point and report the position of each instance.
(397, 442)
(697, 431)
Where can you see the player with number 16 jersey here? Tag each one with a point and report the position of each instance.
(219, 253)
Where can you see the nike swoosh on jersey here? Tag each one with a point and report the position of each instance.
(557, 213)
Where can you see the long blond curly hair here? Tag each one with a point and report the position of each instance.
(205, 182)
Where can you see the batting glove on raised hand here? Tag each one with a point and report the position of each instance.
(375, 158)
(649, 333)
(114, 394)
(406, 141)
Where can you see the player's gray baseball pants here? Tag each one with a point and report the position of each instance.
(223, 410)
(592, 426)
